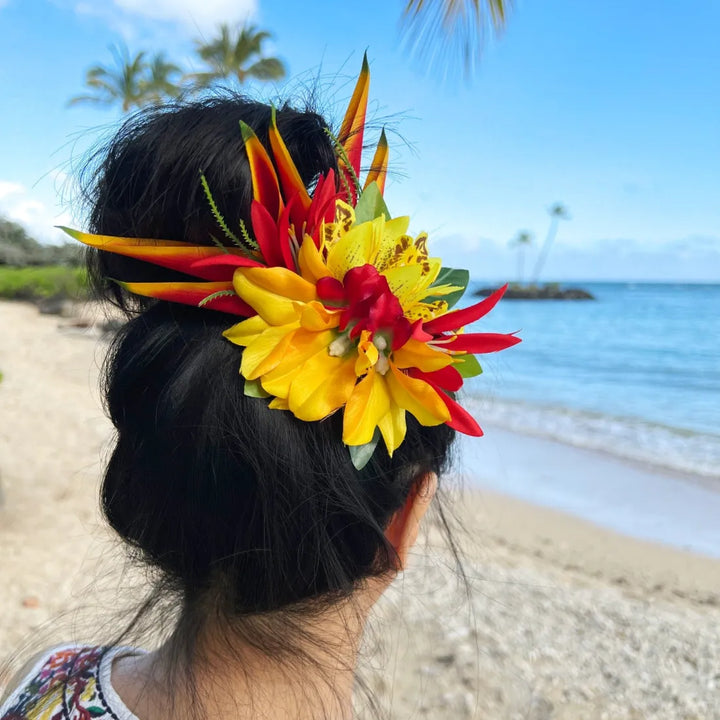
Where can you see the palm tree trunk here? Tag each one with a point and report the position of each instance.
(521, 264)
(545, 250)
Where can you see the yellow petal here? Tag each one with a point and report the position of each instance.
(312, 266)
(422, 356)
(426, 311)
(271, 292)
(417, 397)
(274, 357)
(367, 354)
(390, 246)
(368, 404)
(354, 249)
(321, 386)
(316, 317)
(278, 404)
(409, 283)
(393, 427)
(260, 348)
(245, 332)
(304, 345)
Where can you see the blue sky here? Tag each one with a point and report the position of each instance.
(612, 108)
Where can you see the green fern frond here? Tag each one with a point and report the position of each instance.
(247, 237)
(340, 150)
(215, 296)
(216, 212)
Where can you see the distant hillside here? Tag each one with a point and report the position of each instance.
(18, 249)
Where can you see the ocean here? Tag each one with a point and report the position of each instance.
(635, 373)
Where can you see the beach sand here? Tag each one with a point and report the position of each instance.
(559, 618)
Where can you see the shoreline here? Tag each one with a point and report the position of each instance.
(586, 549)
(673, 509)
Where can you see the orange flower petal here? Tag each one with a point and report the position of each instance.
(312, 267)
(422, 356)
(315, 316)
(417, 397)
(367, 354)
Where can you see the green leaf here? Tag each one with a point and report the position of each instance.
(253, 388)
(450, 276)
(361, 454)
(467, 365)
(95, 711)
(371, 205)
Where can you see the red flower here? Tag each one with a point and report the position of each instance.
(368, 303)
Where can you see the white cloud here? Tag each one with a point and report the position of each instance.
(8, 188)
(31, 211)
(193, 15)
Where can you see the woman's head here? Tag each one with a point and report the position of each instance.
(232, 500)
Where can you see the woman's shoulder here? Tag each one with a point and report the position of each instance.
(61, 683)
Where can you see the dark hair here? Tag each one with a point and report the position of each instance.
(225, 496)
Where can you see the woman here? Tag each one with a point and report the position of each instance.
(276, 503)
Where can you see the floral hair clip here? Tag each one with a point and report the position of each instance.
(344, 309)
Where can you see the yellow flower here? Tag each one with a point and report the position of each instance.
(339, 334)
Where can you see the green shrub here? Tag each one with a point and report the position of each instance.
(18, 249)
(37, 283)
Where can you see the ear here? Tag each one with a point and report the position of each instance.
(402, 532)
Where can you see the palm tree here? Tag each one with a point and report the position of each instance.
(121, 84)
(521, 241)
(557, 213)
(236, 55)
(160, 83)
(437, 29)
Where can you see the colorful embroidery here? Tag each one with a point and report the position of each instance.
(67, 687)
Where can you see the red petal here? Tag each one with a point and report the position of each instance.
(220, 267)
(283, 236)
(231, 304)
(459, 318)
(331, 290)
(418, 332)
(401, 330)
(266, 189)
(482, 342)
(193, 294)
(460, 419)
(298, 215)
(290, 179)
(447, 378)
(325, 194)
(266, 233)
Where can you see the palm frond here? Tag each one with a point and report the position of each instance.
(266, 69)
(442, 33)
(235, 53)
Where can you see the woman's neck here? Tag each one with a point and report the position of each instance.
(312, 677)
